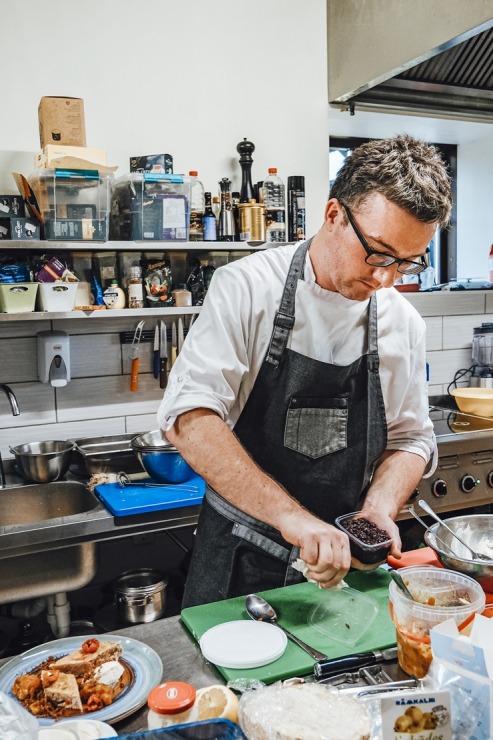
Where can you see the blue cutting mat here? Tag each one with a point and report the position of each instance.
(137, 498)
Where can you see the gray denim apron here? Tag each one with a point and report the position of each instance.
(316, 428)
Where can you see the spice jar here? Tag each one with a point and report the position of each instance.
(170, 704)
(135, 288)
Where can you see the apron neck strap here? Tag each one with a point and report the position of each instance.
(284, 319)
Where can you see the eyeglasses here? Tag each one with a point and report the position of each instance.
(381, 259)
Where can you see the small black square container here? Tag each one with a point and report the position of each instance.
(367, 554)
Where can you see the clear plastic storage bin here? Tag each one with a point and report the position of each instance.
(74, 204)
(150, 206)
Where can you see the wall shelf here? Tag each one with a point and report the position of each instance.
(160, 313)
(131, 246)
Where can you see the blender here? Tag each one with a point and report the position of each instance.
(482, 357)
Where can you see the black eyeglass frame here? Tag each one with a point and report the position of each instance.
(414, 267)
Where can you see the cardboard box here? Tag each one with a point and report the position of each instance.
(51, 152)
(19, 228)
(61, 121)
(11, 205)
(152, 163)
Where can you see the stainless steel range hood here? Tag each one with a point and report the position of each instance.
(458, 81)
(410, 58)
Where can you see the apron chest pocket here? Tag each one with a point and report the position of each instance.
(316, 426)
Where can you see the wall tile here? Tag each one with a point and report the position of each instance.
(448, 303)
(458, 330)
(36, 404)
(444, 364)
(99, 398)
(142, 422)
(434, 330)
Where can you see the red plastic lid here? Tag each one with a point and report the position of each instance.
(193, 173)
(273, 170)
(171, 697)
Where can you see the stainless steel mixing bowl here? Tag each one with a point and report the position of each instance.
(477, 531)
(160, 459)
(43, 462)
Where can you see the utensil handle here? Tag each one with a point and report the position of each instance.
(426, 507)
(134, 375)
(163, 375)
(155, 364)
(315, 654)
(348, 663)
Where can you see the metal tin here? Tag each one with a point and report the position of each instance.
(252, 221)
(140, 595)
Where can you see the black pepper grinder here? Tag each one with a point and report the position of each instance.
(245, 149)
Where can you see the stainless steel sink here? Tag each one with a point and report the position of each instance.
(38, 502)
(40, 548)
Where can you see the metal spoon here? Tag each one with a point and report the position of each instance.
(430, 512)
(428, 529)
(400, 583)
(260, 610)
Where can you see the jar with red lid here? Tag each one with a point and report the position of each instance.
(170, 704)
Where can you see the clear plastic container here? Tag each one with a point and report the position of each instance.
(150, 206)
(439, 594)
(345, 615)
(367, 554)
(74, 203)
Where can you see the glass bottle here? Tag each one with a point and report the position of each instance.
(209, 223)
(196, 207)
(135, 288)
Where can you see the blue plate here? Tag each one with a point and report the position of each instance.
(144, 661)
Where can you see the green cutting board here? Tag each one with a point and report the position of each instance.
(294, 605)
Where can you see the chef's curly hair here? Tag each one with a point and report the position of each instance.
(409, 172)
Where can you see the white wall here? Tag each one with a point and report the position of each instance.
(474, 173)
(190, 78)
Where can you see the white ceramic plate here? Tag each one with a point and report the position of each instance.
(87, 729)
(243, 644)
(143, 660)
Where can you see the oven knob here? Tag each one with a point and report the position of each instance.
(439, 488)
(468, 483)
(489, 479)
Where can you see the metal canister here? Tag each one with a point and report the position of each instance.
(252, 221)
(140, 595)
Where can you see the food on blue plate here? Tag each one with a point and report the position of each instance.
(85, 680)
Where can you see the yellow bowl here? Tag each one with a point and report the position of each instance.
(478, 401)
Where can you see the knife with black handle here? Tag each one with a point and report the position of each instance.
(163, 356)
(346, 663)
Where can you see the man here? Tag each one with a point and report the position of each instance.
(300, 392)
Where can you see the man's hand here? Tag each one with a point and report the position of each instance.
(324, 548)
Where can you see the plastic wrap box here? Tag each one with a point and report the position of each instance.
(17, 297)
(19, 228)
(150, 206)
(11, 205)
(74, 204)
(212, 729)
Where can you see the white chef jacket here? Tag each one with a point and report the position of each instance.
(227, 344)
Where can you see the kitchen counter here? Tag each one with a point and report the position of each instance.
(182, 661)
(93, 525)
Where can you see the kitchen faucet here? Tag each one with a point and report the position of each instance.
(15, 412)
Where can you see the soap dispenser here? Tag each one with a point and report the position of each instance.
(54, 358)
